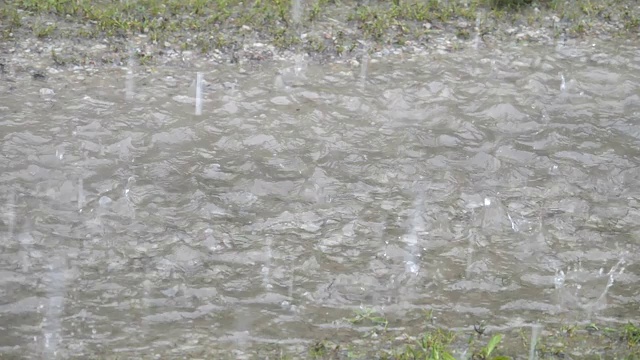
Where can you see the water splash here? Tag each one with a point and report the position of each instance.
(615, 271)
(131, 180)
(563, 84)
(558, 280)
(199, 78)
(60, 153)
(495, 216)
(514, 225)
(572, 294)
(300, 65)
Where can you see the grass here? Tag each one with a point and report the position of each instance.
(591, 341)
(330, 27)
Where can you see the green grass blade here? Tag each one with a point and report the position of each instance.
(495, 340)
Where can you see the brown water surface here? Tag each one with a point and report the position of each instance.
(496, 185)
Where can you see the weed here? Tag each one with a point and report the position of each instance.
(11, 16)
(486, 351)
(369, 315)
(315, 11)
(57, 59)
(324, 350)
(631, 334)
(430, 346)
(463, 34)
(220, 23)
(43, 30)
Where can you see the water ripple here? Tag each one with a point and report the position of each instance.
(497, 185)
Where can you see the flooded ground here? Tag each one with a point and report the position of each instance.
(498, 186)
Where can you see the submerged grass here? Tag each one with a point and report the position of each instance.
(557, 342)
(325, 26)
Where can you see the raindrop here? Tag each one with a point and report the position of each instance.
(278, 82)
(199, 78)
(11, 214)
(291, 281)
(80, 193)
(129, 84)
(535, 333)
(130, 181)
(296, 11)
(364, 67)
(51, 322)
(476, 41)
(412, 267)
(558, 280)
(105, 201)
(617, 269)
(60, 153)
(417, 226)
(514, 225)
(266, 268)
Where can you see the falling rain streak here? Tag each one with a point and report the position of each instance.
(416, 230)
(477, 38)
(130, 81)
(199, 79)
(296, 11)
(54, 307)
(363, 67)
(80, 194)
(536, 329)
(10, 210)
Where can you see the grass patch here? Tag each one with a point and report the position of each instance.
(329, 27)
(556, 342)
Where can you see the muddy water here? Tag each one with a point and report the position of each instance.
(499, 186)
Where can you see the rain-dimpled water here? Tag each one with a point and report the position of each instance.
(219, 208)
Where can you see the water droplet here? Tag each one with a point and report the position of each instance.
(558, 280)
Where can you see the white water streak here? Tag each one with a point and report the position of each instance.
(535, 333)
(80, 193)
(476, 41)
(411, 239)
(129, 82)
(199, 78)
(364, 68)
(52, 324)
(266, 269)
(296, 11)
(291, 280)
(11, 212)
